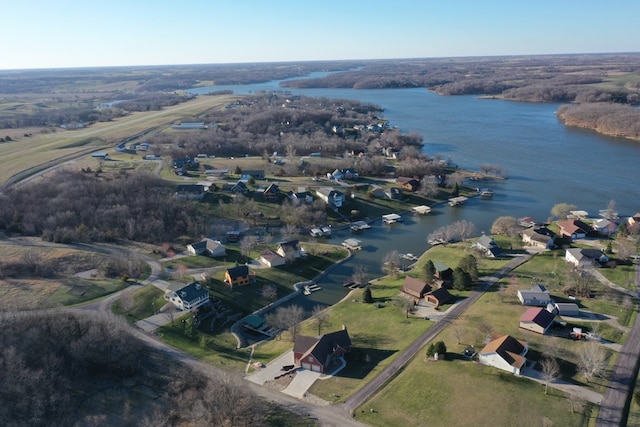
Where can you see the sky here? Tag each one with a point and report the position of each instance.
(80, 33)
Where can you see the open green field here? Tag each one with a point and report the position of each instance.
(462, 393)
(433, 393)
(42, 149)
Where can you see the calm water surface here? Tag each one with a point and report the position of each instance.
(546, 162)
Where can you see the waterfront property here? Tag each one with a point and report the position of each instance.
(320, 354)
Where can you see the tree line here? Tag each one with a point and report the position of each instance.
(556, 78)
(606, 118)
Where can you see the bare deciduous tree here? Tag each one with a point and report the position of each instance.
(592, 360)
(320, 317)
(550, 371)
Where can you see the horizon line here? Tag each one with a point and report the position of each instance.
(81, 67)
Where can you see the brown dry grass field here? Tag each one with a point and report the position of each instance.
(41, 148)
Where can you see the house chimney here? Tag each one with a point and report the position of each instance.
(344, 327)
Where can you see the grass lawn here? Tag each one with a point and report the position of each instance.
(622, 275)
(378, 335)
(139, 304)
(452, 253)
(463, 393)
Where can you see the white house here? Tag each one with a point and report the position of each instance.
(585, 257)
(488, 246)
(207, 246)
(537, 296)
(187, 297)
(271, 258)
(504, 352)
(330, 196)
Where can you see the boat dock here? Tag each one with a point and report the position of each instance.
(352, 244)
(392, 218)
(421, 210)
(359, 226)
(455, 201)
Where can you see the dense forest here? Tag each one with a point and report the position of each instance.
(609, 119)
(84, 206)
(90, 370)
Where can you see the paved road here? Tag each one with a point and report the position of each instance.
(366, 392)
(617, 398)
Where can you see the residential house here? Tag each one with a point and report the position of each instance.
(537, 296)
(350, 173)
(237, 276)
(585, 257)
(290, 250)
(487, 246)
(332, 197)
(298, 197)
(574, 229)
(394, 193)
(415, 288)
(255, 174)
(536, 319)
(191, 191)
(443, 271)
(408, 183)
(336, 175)
(605, 226)
(187, 297)
(271, 258)
(541, 238)
(239, 188)
(570, 309)
(320, 354)
(207, 246)
(437, 297)
(633, 220)
(504, 352)
(272, 192)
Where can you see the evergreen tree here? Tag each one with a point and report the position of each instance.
(469, 264)
(461, 279)
(366, 295)
(456, 190)
(429, 271)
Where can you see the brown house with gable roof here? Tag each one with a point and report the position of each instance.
(319, 354)
(415, 288)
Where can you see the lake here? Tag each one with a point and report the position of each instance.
(546, 163)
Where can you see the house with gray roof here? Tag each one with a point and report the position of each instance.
(537, 296)
(487, 246)
(187, 297)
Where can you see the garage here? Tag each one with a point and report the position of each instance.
(316, 368)
(306, 366)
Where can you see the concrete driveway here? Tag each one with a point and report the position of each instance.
(272, 370)
(301, 383)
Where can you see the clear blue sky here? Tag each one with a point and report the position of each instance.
(75, 33)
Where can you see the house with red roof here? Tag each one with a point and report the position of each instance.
(574, 229)
(320, 354)
(504, 352)
(536, 319)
